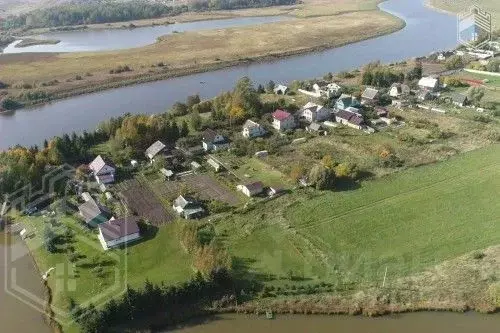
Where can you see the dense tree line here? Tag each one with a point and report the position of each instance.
(175, 303)
(111, 11)
(128, 136)
(377, 75)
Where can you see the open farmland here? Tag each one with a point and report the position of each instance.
(404, 222)
(144, 203)
(203, 185)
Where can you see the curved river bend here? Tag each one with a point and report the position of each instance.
(426, 31)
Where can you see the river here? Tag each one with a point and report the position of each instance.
(19, 275)
(115, 39)
(426, 31)
(421, 322)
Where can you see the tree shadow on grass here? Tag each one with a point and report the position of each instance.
(147, 232)
(246, 278)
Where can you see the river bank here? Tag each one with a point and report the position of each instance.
(129, 80)
(209, 50)
(18, 311)
(26, 42)
(412, 323)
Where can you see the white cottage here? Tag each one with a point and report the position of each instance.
(283, 120)
(117, 232)
(104, 173)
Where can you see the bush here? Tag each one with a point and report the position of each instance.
(78, 77)
(9, 103)
(23, 85)
(120, 69)
(478, 255)
(482, 118)
(179, 109)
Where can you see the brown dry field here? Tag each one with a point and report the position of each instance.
(195, 51)
(467, 282)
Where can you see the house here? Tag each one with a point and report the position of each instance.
(116, 232)
(273, 191)
(261, 154)
(195, 165)
(424, 95)
(429, 83)
(104, 173)
(214, 164)
(86, 196)
(370, 96)
(188, 208)
(93, 214)
(251, 129)
(381, 111)
(283, 120)
(333, 90)
(213, 141)
(154, 150)
(399, 103)
(399, 89)
(280, 89)
(313, 112)
(346, 101)
(252, 189)
(166, 173)
(354, 110)
(314, 127)
(349, 119)
(328, 91)
(459, 99)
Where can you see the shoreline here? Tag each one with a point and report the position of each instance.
(428, 4)
(48, 314)
(142, 78)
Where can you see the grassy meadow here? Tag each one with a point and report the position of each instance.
(158, 258)
(406, 222)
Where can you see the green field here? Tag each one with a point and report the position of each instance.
(405, 222)
(159, 258)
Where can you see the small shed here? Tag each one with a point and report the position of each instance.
(214, 164)
(195, 165)
(167, 173)
(86, 196)
(134, 163)
(262, 154)
(109, 196)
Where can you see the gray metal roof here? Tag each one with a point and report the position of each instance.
(154, 149)
(119, 228)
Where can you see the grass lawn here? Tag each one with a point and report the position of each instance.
(405, 222)
(252, 169)
(158, 258)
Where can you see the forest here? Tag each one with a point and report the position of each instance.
(111, 11)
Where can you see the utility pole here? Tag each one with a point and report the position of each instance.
(385, 275)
